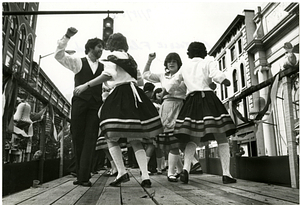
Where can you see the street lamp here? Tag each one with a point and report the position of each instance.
(42, 136)
(70, 52)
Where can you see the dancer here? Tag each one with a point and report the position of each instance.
(127, 113)
(154, 165)
(171, 105)
(203, 117)
(84, 119)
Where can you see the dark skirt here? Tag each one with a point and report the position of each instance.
(169, 111)
(124, 116)
(202, 115)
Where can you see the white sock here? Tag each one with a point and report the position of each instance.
(172, 158)
(163, 162)
(188, 155)
(141, 159)
(158, 163)
(179, 165)
(113, 167)
(117, 156)
(194, 160)
(166, 162)
(225, 158)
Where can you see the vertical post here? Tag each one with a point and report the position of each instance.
(61, 165)
(42, 148)
(207, 157)
(290, 134)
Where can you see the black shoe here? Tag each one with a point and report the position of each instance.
(228, 180)
(146, 183)
(195, 167)
(95, 172)
(87, 184)
(114, 174)
(76, 182)
(172, 178)
(122, 179)
(73, 174)
(184, 176)
(110, 174)
(177, 175)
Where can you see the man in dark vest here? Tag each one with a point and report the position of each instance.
(84, 112)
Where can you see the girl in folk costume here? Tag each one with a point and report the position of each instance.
(127, 113)
(203, 117)
(171, 105)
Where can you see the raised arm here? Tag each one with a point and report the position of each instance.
(151, 57)
(74, 64)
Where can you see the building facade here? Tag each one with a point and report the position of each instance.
(259, 53)
(250, 52)
(24, 81)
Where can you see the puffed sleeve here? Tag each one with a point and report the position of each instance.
(152, 77)
(110, 69)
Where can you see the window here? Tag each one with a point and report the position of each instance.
(222, 64)
(240, 46)
(233, 53)
(224, 92)
(235, 81)
(8, 59)
(242, 75)
(25, 73)
(13, 28)
(29, 47)
(22, 39)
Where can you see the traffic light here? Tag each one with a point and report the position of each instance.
(108, 28)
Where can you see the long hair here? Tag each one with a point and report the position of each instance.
(92, 43)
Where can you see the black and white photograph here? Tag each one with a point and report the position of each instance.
(150, 102)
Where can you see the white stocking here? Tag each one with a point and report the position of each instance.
(225, 158)
(189, 152)
(116, 154)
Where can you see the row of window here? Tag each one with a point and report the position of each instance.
(233, 55)
(235, 82)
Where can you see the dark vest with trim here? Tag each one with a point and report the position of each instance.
(86, 74)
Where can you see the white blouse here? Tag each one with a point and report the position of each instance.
(197, 74)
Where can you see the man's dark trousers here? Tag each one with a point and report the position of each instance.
(84, 128)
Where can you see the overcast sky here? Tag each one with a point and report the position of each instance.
(160, 27)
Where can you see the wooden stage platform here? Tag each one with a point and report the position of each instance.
(201, 189)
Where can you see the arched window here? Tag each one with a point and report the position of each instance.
(242, 75)
(22, 39)
(4, 18)
(235, 81)
(29, 47)
(13, 28)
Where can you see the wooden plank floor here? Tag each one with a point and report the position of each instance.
(201, 189)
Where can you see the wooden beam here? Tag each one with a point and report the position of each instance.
(287, 72)
(7, 13)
